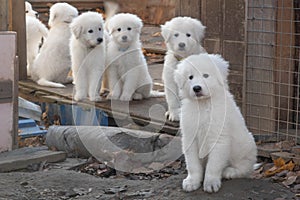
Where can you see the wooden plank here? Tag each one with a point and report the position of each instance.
(190, 8)
(19, 25)
(24, 157)
(4, 16)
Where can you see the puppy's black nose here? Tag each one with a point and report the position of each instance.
(197, 88)
(181, 45)
(37, 15)
(99, 40)
(124, 37)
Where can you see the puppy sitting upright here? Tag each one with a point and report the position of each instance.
(127, 71)
(53, 63)
(183, 37)
(215, 140)
(87, 48)
(35, 31)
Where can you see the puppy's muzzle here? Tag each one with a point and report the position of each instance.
(99, 40)
(198, 90)
(181, 45)
(124, 38)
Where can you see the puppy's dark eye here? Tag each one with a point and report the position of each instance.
(27, 11)
(176, 34)
(100, 29)
(191, 77)
(188, 35)
(90, 31)
(129, 29)
(119, 29)
(205, 75)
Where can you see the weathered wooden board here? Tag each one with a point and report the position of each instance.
(24, 157)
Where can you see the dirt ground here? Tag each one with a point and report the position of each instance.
(69, 184)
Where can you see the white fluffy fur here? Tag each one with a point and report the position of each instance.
(35, 31)
(87, 49)
(216, 142)
(183, 37)
(53, 63)
(127, 72)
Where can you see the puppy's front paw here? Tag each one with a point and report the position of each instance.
(96, 98)
(172, 116)
(189, 184)
(137, 96)
(212, 184)
(79, 97)
(125, 97)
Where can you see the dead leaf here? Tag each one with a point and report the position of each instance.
(279, 162)
(289, 181)
(279, 167)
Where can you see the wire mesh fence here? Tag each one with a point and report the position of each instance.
(273, 73)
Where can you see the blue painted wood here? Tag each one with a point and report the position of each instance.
(28, 128)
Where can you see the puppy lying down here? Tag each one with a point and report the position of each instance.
(216, 142)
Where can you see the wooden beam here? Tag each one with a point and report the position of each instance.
(19, 26)
(4, 15)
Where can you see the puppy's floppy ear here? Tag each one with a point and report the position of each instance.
(76, 30)
(166, 32)
(139, 24)
(221, 68)
(199, 30)
(179, 76)
(52, 19)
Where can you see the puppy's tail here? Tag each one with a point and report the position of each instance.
(111, 8)
(47, 83)
(155, 93)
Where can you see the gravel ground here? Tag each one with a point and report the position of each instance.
(70, 184)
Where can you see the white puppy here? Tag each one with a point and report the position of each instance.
(183, 37)
(29, 11)
(215, 140)
(127, 71)
(53, 63)
(87, 49)
(35, 31)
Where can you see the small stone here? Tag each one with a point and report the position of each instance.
(24, 183)
(282, 174)
(166, 193)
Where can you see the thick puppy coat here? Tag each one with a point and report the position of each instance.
(53, 63)
(128, 74)
(35, 31)
(215, 140)
(183, 37)
(87, 48)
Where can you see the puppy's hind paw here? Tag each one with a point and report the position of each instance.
(230, 173)
(212, 185)
(190, 184)
(171, 116)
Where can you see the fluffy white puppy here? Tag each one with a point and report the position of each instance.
(53, 63)
(35, 31)
(215, 140)
(127, 71)
(29, 11)
(183, 37)
(87, 48)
